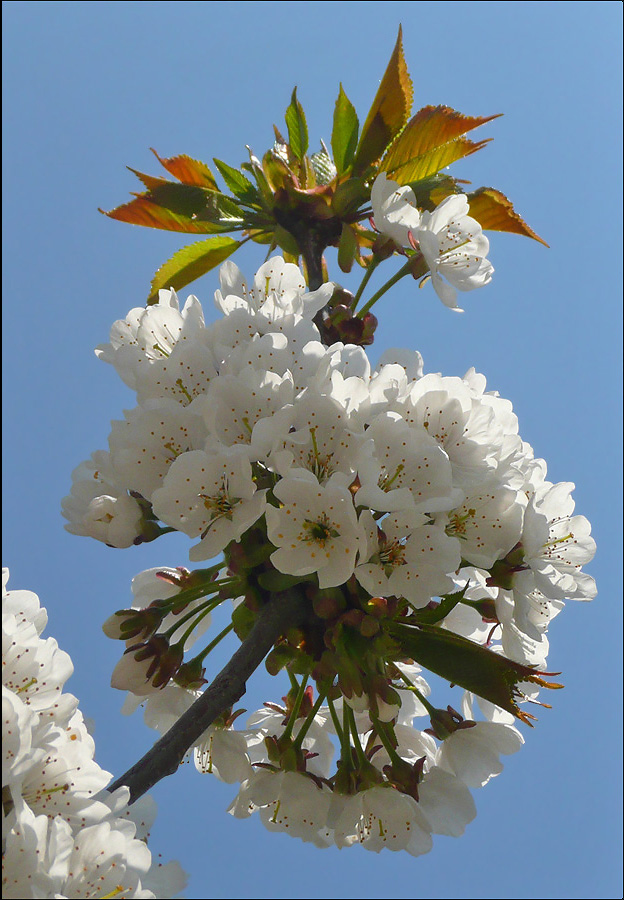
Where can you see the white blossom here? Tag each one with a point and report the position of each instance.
(315, 530)
(210, 496)
(455, 249)
(394, 210)
(61, 834)
(100, 507)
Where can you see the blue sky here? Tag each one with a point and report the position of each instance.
(88, 88)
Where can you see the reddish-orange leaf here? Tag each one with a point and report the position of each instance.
(432, 127)
(151, 182)
(188, 170)
(495, 212)
(142, 211)
(437, 158)
(389, 112)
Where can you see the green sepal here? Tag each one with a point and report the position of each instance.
(279, 657)
(347, 248)
(243, 620)
(275, 581)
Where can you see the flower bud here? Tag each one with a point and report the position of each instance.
(405, 776)
(191, 675)
(328, 603)
(168, 665)
(134, 670)
(446, 721)
(126, 624)
(147, 666)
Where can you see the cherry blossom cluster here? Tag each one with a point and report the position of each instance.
(63, 834)
(401, 507)
(393, 786)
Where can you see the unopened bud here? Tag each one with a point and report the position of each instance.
(134, 670)
(445, 722)
(377, 607)
(369, 626)
(323, 166)
(405, 776)
(327, 603)
(191, 675)
(168, 665)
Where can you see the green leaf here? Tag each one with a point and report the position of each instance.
(240, 186)
(264, 190)
(262, 237)
(430, 192)
(347, 248)
(470, 665)
(297, 127)
(349, 196)
(188, 170)
(494, 212)
(344, 132)
(276, 171)
(431, 140)
(221, 209)
(441, 611)
(286, 241)
(434, 160)
(185, 199)
(191, 262)
(389, 112)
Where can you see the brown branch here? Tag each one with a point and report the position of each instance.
(312, 247)
(283, 611)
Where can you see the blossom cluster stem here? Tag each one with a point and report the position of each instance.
(350, 719)
(312, 252)
(344, 739)
(428, 706)
(308, 722)
(404, 270)
(382, 732)
(283, 611)
(367, 276)
(198, 613)
(189, 631)
(294, 713)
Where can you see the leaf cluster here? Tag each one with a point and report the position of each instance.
(304, 203)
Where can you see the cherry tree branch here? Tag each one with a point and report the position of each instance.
(282, 612)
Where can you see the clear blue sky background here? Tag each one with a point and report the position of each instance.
(89, 87)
